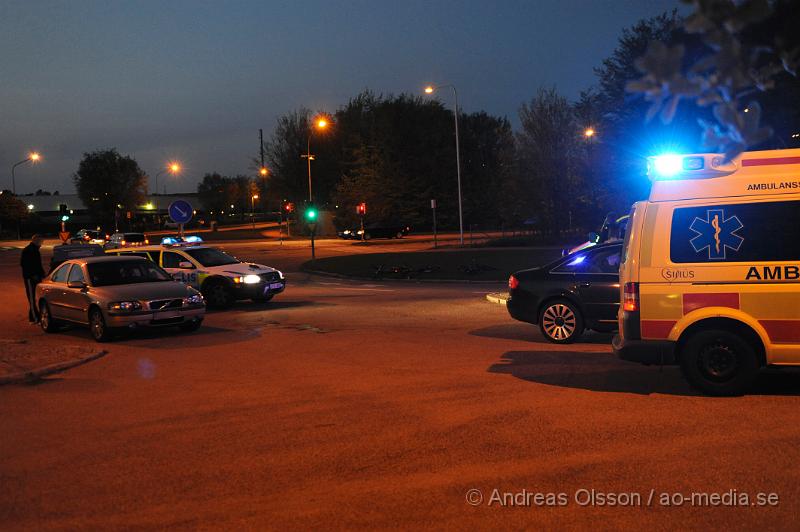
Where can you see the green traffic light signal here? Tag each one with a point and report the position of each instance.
(311, 214)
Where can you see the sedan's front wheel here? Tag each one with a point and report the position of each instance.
(561, 322)
(97, 326)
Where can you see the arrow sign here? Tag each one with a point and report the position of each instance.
(64, 236)
(180, 211)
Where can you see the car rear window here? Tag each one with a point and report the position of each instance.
(743, 232)
(125, 272)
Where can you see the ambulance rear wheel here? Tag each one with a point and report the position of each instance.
(561, 322)
(719, 362)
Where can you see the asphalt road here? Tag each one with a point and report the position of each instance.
(381, 405)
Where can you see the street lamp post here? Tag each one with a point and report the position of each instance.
(589, 135)
(172, 168)
(430, 89)
(253, 199)
(320, 123)
(32, 158)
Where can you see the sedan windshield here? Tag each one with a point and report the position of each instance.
(125, 272)
(211, 257)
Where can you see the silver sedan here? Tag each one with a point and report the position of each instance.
(114, 293)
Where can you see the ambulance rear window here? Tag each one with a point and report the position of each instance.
(742, 232)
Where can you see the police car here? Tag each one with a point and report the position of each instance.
(221, 278)
(710, 268)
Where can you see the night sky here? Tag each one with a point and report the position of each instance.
(194, 81)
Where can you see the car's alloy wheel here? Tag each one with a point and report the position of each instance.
(97, 326)
(46, 321)
(560, 322)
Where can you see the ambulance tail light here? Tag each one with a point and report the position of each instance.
(630, 297)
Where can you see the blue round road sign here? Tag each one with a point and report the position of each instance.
(180, 211)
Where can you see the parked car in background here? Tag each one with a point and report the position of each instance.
(89, 236)
(113, 293)
(64, 252)
(376, 231)
(121, 240)
(574, 293)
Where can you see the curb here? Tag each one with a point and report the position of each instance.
(36, 374)
(382, 280)
(500, 299)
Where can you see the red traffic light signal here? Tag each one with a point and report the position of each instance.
(288, 207)
(361, 209)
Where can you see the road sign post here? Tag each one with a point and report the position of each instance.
(433, 208)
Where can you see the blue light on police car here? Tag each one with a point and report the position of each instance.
(193, 239)
(169, 240)
(667, 165)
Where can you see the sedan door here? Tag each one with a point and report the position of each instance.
(598, 285)
(53, 291)
(76, 300)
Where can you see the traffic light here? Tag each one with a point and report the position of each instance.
(311, 214)
(361, 209)
(288, 207)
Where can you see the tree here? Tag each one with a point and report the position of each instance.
(548, 150)
(106, 179)
(12, 210)
(212, 192)
(750, 47)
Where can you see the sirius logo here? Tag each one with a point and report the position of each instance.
(717, 234)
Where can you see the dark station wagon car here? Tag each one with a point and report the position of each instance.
(574, 293)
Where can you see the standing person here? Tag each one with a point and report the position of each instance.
(32, 274)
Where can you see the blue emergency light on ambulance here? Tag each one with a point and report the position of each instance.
(698, 166)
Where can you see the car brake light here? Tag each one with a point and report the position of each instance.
(513, 283)
(630, 297)
(146, 241)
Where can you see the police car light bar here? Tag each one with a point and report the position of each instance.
(176, 240)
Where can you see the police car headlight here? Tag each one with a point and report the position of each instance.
(251, 279)
(194, 299)
(124, 306)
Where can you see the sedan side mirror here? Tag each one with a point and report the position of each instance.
(185, 265)
(76, 284)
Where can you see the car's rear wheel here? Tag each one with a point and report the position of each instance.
(97, 326)
(561, 322)
(217, 294)
(719, 362)
(46, 320)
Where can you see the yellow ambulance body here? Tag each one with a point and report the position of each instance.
(710, 271)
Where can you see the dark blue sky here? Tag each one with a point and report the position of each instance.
(194, 80)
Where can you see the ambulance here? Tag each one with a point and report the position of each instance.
(221, 278)
(710, 268)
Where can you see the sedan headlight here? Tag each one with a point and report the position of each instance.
(194, 299)
(124, 306)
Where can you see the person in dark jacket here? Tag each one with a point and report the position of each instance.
(32, 274)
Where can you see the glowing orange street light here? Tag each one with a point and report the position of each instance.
(32, 158)
(320, 122)
(173, 168)
(589, 133)
(263, 171)
(429, 90)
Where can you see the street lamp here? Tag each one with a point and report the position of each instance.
(174, 168)
(253, 199)
(430, 89)
(589, 132)
(320, 122)
(32, 158)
